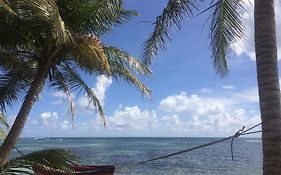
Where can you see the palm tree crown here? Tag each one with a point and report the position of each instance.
(64, 35)
(55, 40)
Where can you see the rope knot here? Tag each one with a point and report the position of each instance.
(235, 136)
(239, 132)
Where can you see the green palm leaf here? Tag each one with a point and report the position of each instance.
(120, 72)
(14, 84)
(126, 61)
(50, 160)
(122, 65)
(9, 61)
(171, 17)
(226, 29)
(11, 34)
(60, 84)
(72, 80)
(43, 14)
(95, 17)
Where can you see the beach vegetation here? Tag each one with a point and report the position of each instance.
(45, 160)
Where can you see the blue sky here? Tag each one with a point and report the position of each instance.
(188, 99)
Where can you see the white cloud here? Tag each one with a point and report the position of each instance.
(193, 105)
(210, 116)
(133, 118)
(222, 124)
(177, 115)
(102, 85)
(100, 88)
(48, 121)
(228, 87)
(246, 46)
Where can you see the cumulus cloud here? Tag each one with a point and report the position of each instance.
(177, 115)
(133, 118)
(192, 105)
(49, 118)
(209, 116)
(246, 46)
(49, 121)
(225, 123)
(100, 88)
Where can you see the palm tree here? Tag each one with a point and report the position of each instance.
(54, 40)
(225, 29)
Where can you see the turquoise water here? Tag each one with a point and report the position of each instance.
(122, 152)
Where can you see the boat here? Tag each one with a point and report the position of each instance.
(79, 170)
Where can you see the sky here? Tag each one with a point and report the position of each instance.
(188, 98)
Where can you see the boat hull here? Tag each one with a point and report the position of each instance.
(80, 170)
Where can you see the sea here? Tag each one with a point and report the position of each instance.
(125, 153)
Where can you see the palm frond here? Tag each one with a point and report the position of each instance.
(12, 60)
(120, 72)
(74, 82)
(11, 35)
(88, 53)
(9, 61)
(226, 28)
(126, 61)
(171, 17)
(48, 160)
(60, 84)
(14, 83)
(95, 17)
(6, 6)
(44, 15)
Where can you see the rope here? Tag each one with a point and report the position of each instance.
(236, 135)
(187, 150)
(232, 137)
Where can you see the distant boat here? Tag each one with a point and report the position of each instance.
(80, 170)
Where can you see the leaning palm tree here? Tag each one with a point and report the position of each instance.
(50, 41)
(226, 28)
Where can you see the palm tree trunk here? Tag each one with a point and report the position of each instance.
(268, 84)
(16, 129)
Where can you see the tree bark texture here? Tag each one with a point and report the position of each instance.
(17, 127)
(268, 85)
